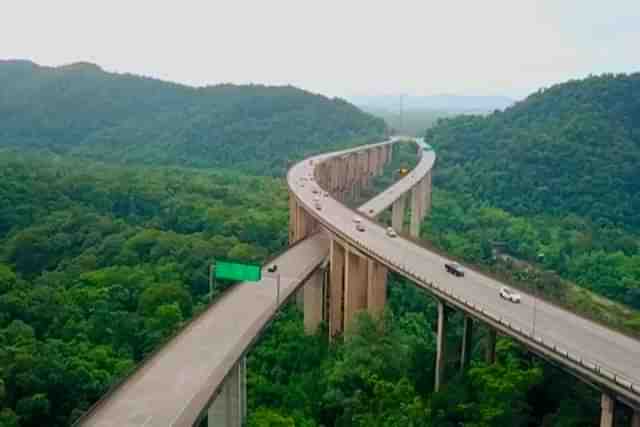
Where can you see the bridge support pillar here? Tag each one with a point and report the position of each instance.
(337, 256)
(355, 287)
(427, 195)
(635, 419)
(376, 288)
(467, 336)
(490, 350)
(356, 283)
(441, 345)
(397, 214)
(608, 406)
(300, 298)
(301, 224)
(414, 227)
(313, 301)
(229, 409)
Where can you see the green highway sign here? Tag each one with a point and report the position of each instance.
(237, 271)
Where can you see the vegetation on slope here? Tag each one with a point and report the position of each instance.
(83, 110)
(571, 149)
(550, 182)
(99, 264)
(383, 376)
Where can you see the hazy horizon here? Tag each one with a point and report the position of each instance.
(335, 48)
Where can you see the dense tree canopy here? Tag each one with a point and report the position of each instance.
(83, 110)
(572, 148)
(99, 264)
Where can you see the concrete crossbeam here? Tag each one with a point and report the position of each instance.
(229, 407)
(441, 345)
(607, 408)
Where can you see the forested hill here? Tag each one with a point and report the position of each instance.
(83, 110)
(573, 148)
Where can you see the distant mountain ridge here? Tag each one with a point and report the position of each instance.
(444, 102)
(82, 110)
(573, 148)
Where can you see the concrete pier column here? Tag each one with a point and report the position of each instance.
(376, 288)
(635, 419)
(229, 407)
(423, 199)
(300, 298)
(337, 255)
(441, 345)
(313, 301)
(467, 336)
(380, 168)
(293, 211)
(397, 214)
(427, 204)
(414, 226)
(490, 350)
(355, 287)
(608, 406)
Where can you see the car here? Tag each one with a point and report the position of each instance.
(509, 295)
(318, 206)
(357, 219)
(454, 268)
(315, 191)
(391, 232)
(371, 211)
(359, 227)
(272, 268)
(326, 194)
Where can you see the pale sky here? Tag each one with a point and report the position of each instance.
(338, 48)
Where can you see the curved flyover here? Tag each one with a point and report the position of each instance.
(178, 383)
(605, 358)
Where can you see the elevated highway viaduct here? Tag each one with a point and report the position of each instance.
(200, 372)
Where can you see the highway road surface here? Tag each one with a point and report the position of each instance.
(585, 340)
(173, 386)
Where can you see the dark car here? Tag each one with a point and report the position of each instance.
(454, 268)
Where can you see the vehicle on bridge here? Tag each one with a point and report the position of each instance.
(509, 295)
(454, 268)
(391, 232)
(360, 227)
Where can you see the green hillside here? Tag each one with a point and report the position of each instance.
(572, 148)
(82, 110)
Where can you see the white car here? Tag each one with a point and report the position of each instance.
(359, 227)
(509, 295)
(318, 206)
(357, 219)
(391, 232)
